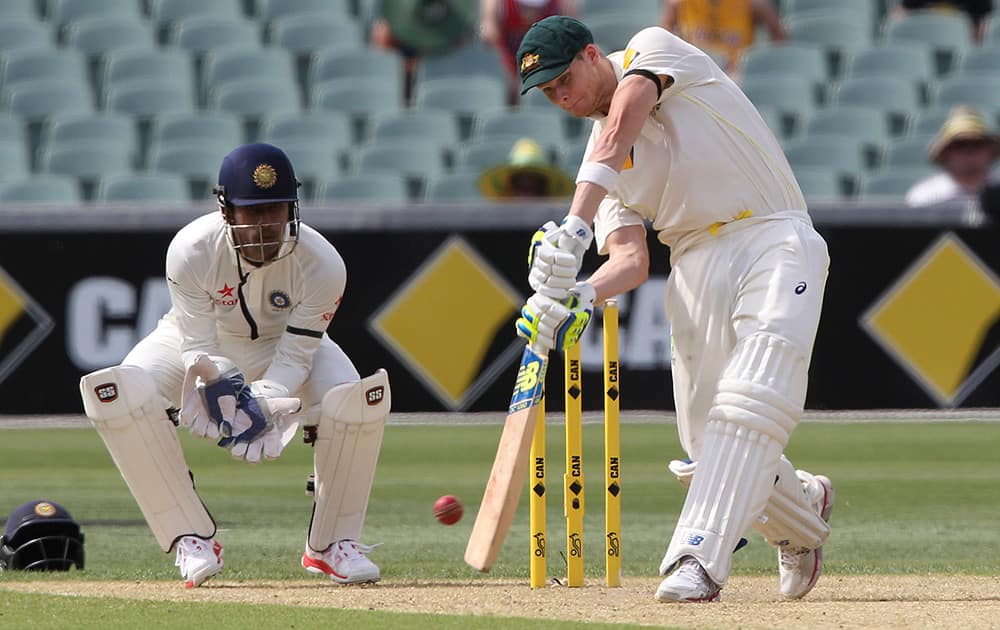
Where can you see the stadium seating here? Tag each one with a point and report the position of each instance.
(267, 10)
(802, 60)
(948, 33)
(201, 34)
(328, 127)
(896, 98)
(164, 13)
(416, 162)
(843, 155)
(544, 126)
(612, 31)
(11, 128)
(314, 162)
(478, 156)
(839, 37)
(101, 127)
(147, 61)
(893, 182)
(14, 161)
(819, 183)
(928, 121)
(464, 96)
(145, 186)
(248, 61)
(98, 35)
(981, 91)
(145, 98)
(454, 187)
(864, 123)
(18, 33)
(304, 33)
(375, 187)
(41, 188)
(203, 127)
(44, 63)
(907, 152)
(792, 96)
(63, 13)
(36, 100)
(341, 61)
(197, 163)
(912, 62)
(469, 60)
(19, 9)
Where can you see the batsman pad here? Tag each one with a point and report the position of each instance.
(788, 518)
(757, 405)
(348, 439)
(129, 415)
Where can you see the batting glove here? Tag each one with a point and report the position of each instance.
(556, 255)
(548, 324)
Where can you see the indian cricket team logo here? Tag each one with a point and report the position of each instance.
(45, 508)
(529, 62)
(279, 300)
(265, 176)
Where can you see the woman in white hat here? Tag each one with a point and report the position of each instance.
(966, 150)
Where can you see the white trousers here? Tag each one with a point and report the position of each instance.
(748, 279)
(159, 353)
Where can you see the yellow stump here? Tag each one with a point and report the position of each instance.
(536, 490)
(612, 448)
(573, 479)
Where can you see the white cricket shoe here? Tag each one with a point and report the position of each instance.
(198, 559)
(344, 561)
(800, 568)
(689, 583)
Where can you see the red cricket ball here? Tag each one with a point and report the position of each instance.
(448, 510)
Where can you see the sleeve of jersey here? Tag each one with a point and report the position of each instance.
(612, 215)
(324, 282)
(191, 303)
(656, 51)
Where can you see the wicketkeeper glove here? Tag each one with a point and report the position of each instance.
(266, 421)
(211, 387)
(548, 324)
(556, 255)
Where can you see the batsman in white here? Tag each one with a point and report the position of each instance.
(676, 143)
(244, 355)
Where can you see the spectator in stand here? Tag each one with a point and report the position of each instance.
(966, 150)
(977, 10)
(526, 175)
(722, 28)
(502, 23)
(420, 28)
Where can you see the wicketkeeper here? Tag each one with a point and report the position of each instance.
(243, 354)
(675, 143)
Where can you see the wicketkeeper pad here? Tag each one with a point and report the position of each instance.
(348, 440)
(757, 405)
(130, 416)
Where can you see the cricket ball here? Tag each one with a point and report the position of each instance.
(448, 510)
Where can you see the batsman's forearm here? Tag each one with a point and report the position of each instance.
(616, 277)
(586, 200)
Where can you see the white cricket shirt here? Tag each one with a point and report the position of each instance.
(215, 294)
(704, 157)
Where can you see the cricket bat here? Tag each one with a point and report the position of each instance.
(510, 466)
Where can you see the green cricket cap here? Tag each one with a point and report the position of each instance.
(548, 48)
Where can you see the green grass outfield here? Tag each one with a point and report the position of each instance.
(912, 498)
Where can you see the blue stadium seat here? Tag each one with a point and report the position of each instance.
(478, 156)
(101, 127)
(612, 31)
(14, 162)
(201, 34)
(792, 96)
(19, 10)
(35, 101)
(328, 127)
(198, 163)
(981, 91)
(63, 13)
(18, 33)
(802, 60)
(49, 63)
(267, 10)
(249, 61)
(949, 33)
(981, 60)
(908, 152)
(198, 127)
(144, 186)
(819, 183)
(145, 98)
(145, 62)
(418, 125)
(41, 188)
(165, 13)
(314, 162)
(87, 161)
(838, 36)
(845, 156)
(893, 182)
(457, 187)
(340, 61)
(464, 96)
(897, 98)
(358, 98)
(98, 35)
(867, 124)
(415, 161)
(545, 127)
(11, 128)
(305, 33)
(374, 187)
(255, 99)
(908, 61)
(928, 121)
(469, 60)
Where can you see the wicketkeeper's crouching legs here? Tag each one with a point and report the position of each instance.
(131, 418)
(348, 438)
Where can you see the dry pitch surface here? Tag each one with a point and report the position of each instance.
(748, 602)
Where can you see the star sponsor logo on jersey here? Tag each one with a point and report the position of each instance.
(23, 325)
(456, 358)
(279, 300)
(227, 296)
(941, 321)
